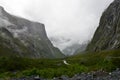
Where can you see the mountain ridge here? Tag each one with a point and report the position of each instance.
(25, 37)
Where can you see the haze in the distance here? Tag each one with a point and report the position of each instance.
(66, 21)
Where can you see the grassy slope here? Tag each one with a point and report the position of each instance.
(48, 68)
(107, 60)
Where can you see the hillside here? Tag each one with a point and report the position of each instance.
(107, 35)
(24, 38)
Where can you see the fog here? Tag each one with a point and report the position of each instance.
(66, 21)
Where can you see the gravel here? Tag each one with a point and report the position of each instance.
(94, 75)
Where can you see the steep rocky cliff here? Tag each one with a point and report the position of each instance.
(21, 37)
(107, 35)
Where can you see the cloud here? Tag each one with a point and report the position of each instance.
(76, 20)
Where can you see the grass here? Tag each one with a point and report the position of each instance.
(107, 60)
(49, 68)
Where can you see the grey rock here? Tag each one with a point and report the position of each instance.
(96, 75)
(107, 35)
(63, 77)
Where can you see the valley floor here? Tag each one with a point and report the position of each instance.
(102, 65)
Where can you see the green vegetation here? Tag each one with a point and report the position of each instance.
(106, 60)
(49, 68)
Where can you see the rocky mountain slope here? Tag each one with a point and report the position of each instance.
(21, 37)
(107, 35)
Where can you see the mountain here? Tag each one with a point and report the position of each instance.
(74, 49)
(81, 49)
(107, 35)
(24, 38)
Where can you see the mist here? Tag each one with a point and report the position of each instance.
(66, 21)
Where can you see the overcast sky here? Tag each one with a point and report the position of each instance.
(72, 20)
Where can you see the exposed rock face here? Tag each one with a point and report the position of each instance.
(107, 35)
(24, 38)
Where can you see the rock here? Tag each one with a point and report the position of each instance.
(107, 35)
(37, 77)
(115, 75)
(63, 77)
(97, 75)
